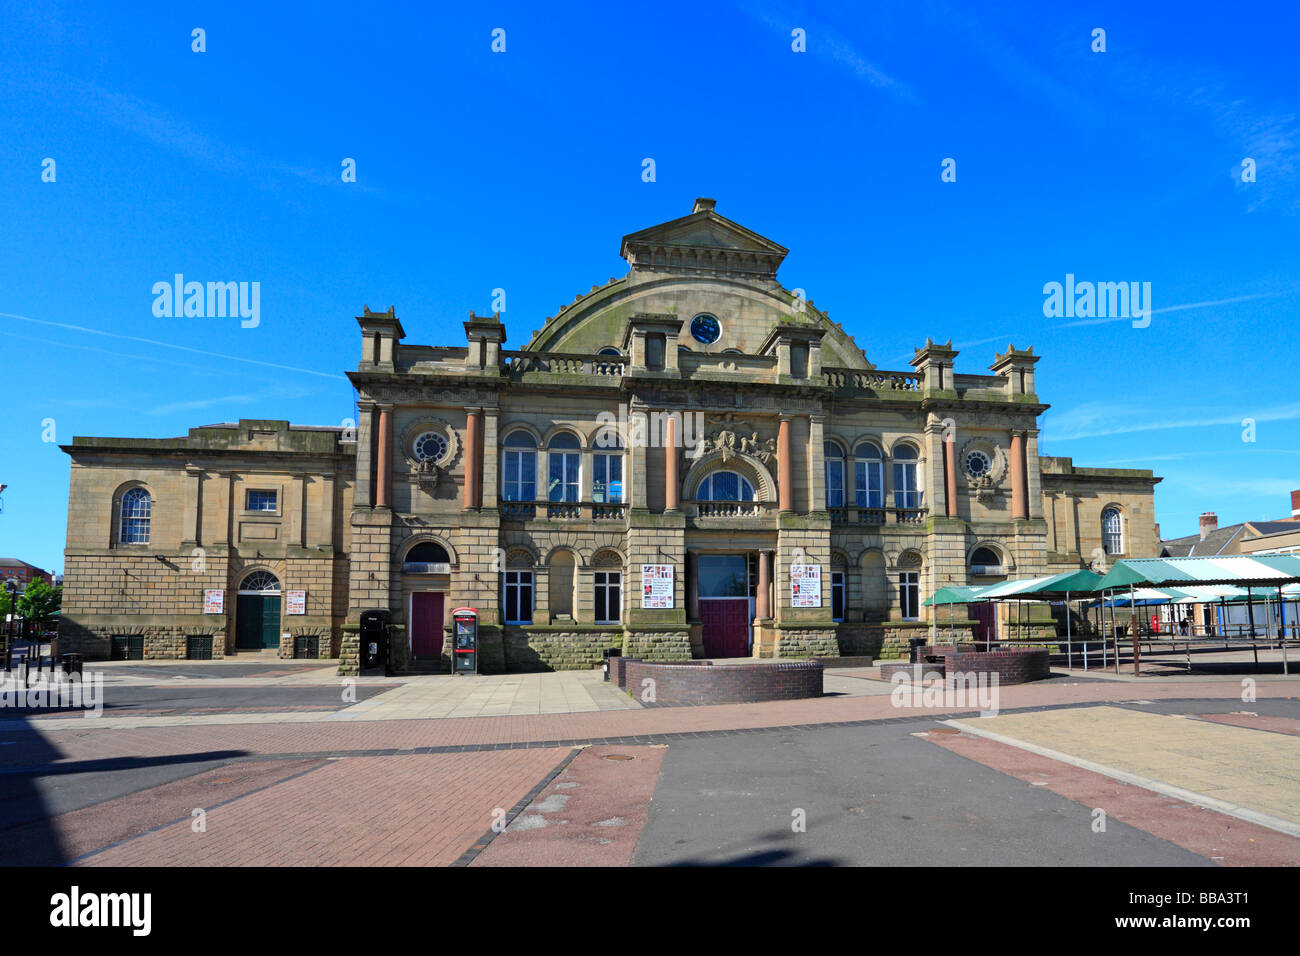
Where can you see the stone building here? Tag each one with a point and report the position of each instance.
(687, 461)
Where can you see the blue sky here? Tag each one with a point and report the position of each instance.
(521, 170)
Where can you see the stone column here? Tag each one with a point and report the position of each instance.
(763, 598)
(193, 505)
(671, 487)
(785, 471)
(473, 436)
(302, 510)
(384, 448)
(325, 525)
(950, 476)
(1019, 495)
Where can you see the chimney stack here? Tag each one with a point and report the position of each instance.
(1209, 522)
(1295, 505)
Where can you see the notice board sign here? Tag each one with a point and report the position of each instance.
(805, 585)
(657, 585)
(297, 602)
(214, 602)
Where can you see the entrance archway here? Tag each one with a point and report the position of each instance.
(257, 612)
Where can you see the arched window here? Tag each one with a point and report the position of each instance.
(519, 474)
(869, 476)
(907, 493)
(985, 561)
(428, 552)
(564, 455)
(834, 457)
(137, 506)
(260, 582)
(607, 467)
(1112, 531)
(725, 486)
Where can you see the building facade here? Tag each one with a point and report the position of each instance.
(688, 461)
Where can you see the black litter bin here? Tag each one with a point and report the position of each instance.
(914, 645)
(606, 664)
(374, 640)
(71, 663)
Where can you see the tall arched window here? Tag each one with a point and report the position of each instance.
(907, 493)
(607, 467)
(869, 476)
(725, 486)
(564, 457)
(834, 457)
(519, 474)
(1112, 531)
(985, 561)
(137, 506)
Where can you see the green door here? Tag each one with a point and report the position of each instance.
(257, 621)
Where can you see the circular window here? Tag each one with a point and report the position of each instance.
(978, 464)
(706, 328)
(430, 446)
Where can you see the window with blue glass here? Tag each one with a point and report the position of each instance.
(260, 500)
(706, 328)
(519, 467)
(564, 454)
(834, 458)
(868, 476)
(725, 486)
(607, 468)
(907, 494)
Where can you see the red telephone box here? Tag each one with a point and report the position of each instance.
(1155, 623)
(464, 649)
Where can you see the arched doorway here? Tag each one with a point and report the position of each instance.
(427, 607)
(257, 612)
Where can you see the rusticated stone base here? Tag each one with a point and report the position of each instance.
(895, 646)
(544, 649)
(860, 640)
(161, 643)
(350, 654)
(804, 642)
(658, 645)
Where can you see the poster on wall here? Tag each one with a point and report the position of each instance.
(657, 585)
(214, 602)
(805, 585)
(297, 602)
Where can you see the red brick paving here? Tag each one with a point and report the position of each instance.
(600, 821)
(414, 810)
(1224, 839)
(98, 740)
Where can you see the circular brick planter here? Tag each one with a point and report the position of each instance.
(1013, 665)
(703, 682)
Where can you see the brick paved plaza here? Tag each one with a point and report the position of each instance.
(219, 765)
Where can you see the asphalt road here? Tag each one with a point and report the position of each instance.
(872, 796)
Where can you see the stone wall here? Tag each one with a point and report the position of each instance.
(668, 645)
(556, 649)
(800, 642)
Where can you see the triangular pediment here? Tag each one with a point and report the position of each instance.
(702, 243)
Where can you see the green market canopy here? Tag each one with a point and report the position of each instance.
(1239, 570)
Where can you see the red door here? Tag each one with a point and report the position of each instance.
(426, 625)
(726, 626)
